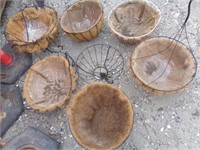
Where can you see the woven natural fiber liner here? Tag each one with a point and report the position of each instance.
(177, 75)
(100, 117)
(83, 20)
(17, 27)
(49, 83)
(132, 21)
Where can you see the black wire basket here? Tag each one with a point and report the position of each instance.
(100, 62)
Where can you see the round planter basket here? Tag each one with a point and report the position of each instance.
(131, 21)
(49, 83)
(83, 20)
(163, 65)
(32, 29)
(100, 117)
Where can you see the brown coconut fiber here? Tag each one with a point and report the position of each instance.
(32, 29)
(49, 83)
(133, 20)
(100, 117)
(163, 65)
(83, 20)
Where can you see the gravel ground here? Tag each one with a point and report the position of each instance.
(169, 122)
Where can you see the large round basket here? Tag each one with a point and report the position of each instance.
(163, 65)
(100, 117)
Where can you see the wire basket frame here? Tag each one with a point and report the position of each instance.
(173, 49)
(100, 62)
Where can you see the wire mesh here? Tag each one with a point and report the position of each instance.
(100, 62)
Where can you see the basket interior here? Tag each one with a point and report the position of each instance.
(81, 16)
(48, 82)
(30, 24)
(134, 18)
(163, 64)
(101, 116)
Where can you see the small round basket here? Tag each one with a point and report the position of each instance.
(163, 65)
(100, 117)
(131, 21)
(83, 20)
(32, 29)
(49, 83)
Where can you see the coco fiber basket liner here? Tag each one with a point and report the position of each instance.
(83, 20)
(32, 29)
(100, 117)
(49, 83)
(163, 65)
(131, 21)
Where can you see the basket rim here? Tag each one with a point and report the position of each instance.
(97, 21)
(156, 89)
(136, 37)
(26, 43)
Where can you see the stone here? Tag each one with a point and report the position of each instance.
(32, 139)
(21, 63)
(11, 106)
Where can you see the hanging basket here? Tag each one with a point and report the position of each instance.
(83, 20)
(32, 29)
(131, 21)
(100, 63)
(49, 83)
(100, 117)
(163, 65)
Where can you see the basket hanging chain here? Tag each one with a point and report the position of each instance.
(40, 3)
(179, 36)
(188, 15)
(67, 56)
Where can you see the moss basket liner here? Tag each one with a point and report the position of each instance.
(83, 20)
(100, 116)
(131, 21)
(27, 23)
(49, 83)
(154, 74)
